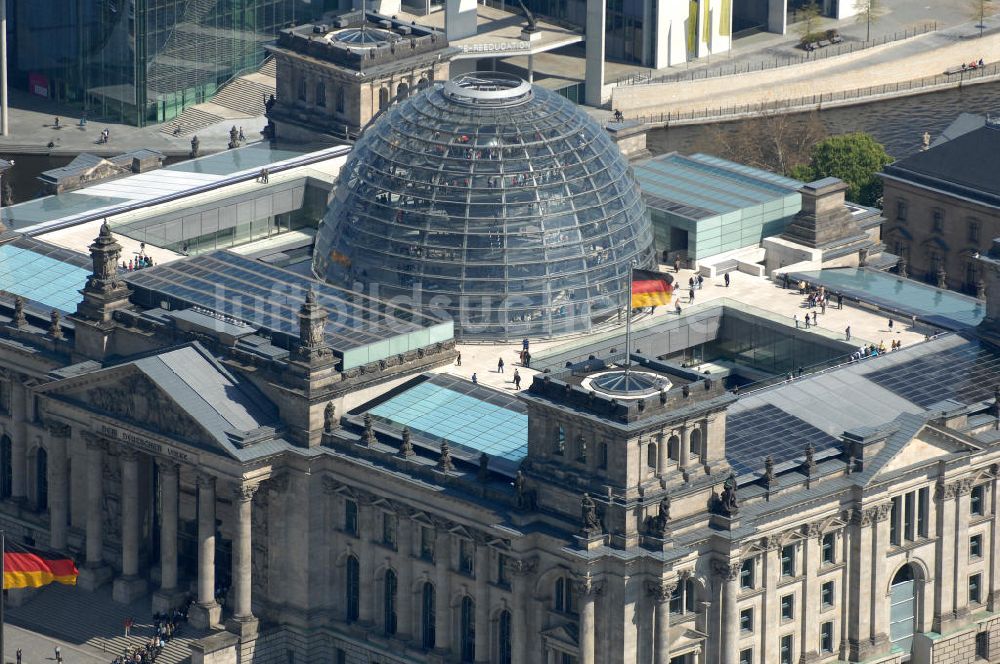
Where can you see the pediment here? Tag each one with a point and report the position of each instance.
(925, 446)
(128, 395)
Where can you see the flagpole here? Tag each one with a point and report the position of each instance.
(628, 327)
(3, 575)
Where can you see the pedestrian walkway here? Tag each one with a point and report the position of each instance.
(93, 622)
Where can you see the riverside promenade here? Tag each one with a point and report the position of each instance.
(910, 66)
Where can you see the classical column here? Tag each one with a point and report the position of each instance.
(587, 590)
(243, 621)
(661, 453)
(206, 613)
(661, 591)
(809, 640)
(684, 454)
(770, 617)
(944, 601)
(442, 591)
(404, 605)
(482, 599)
(880, 579)
(522, 571)
(994, 547)
(95, 573)
(728, 572)
(962, 506)
(19, 441)
(167, 596)
(58, 484)
(367, 532)
(129, 585)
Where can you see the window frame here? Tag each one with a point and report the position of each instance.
(978, 540)
(787, 607)
(832, 585)
(828, 546)
(788, 562)
(977, 500)
(826, 634)
(747, 574)
(976, 581)
(746, 620)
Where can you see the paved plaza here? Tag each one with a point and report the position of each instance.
(761, 293)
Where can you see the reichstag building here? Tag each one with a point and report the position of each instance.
(284, 451)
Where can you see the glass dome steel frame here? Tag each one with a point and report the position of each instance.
(497, 204)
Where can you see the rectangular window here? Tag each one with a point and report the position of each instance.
(826, 594)
(787, 607)
(389, 530)
(977, 501)
(976, 546)
(900, 210)
(976, 588)
(826, 637)
(746, 574)
(502, 579)
(466, 556)
(909, 516)
(427, 543)
(341, 656)
(788, 560)
(351, 518)
(786, 649)
(973, 231)
(829, 541)
(938, 220)
(746, 620)
(923, 510)
(983, 645)
(894, 516)
(746, 656)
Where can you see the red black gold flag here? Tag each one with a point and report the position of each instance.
(650, 289)
(27, 567)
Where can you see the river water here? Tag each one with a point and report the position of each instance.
(899, 124)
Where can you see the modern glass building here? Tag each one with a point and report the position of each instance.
(143, 61)
(502, 205)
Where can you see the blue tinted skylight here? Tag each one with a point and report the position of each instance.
(44, 279)
(474, 418)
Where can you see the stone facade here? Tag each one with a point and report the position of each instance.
(624, 538)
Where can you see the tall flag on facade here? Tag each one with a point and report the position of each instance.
(650, 289)
(28, 567)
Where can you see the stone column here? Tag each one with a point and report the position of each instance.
(129, 585)
(482, 599)
(442, 592)
(96, 573)
(207, 612)
(167, 597)
(19, 441)
(728, 572)
(243, 621)
(809, 640)
(880, 580)
(587, 590)
(597, 36)
(661, 453)
(994, 548)
(404, 605)
(962, 504)
(58, 480)
(522, 571)
(944, 601)
(684, 453)
(770, 619)
(366, 563)
(661, 591)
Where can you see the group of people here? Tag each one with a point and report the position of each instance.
(165, 626)
(973, 65)
(137, 263)
(871, 350)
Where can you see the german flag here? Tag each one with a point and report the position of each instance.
(650, 289)
(27, 567)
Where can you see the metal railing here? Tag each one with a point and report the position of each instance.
(775, 62)
(796, 104)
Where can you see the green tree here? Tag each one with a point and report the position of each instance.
(854, 158)
(869, 12)
(808, 23)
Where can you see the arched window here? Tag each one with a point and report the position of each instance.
(695, 442)
(673, 448)
(427, 616)
(352, 588)
(468, 640)
(321, 94)
(340, 99)
(903, 608)
(383, 99)
(42, 479)
(564, 600)
(684, 599)
(560, 442)
(422, 83)
(6, 469)
(651, 455)
(505, 653)
(402, 91)
(389, 602)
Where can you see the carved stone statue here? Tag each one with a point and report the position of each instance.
(588, 513)
(768, 477)
(942, 277)
(195, 147)
(55, 329)
(521, 498)
(809, 465)
(529, 17)
(981, 290)
(8, 193)
(234, 138)
(658, 524)
(19, 318)
(728, 501)
(369, 435)
(406, 446)
(484, 467)
(269, 103)
(444, 463)
(901, 268)
(329, 417)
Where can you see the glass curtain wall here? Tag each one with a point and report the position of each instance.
(143, 61)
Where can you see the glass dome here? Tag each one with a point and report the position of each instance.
(500, 205)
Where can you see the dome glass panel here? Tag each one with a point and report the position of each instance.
(500, 205)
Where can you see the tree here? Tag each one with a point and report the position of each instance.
(854, 158)
(870, 11)
(772, 141)
(979, 10)
(809, 16)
